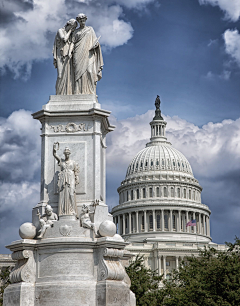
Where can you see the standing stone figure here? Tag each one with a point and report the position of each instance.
(67, 181)
(62, 58)
(46, 220)
(87, 58)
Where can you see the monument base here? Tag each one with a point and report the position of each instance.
(68, 270)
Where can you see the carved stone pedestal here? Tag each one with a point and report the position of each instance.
(73, 271)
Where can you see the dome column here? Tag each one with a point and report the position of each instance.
(137, 227)
(130, 223)
(204, 225)
(186, 228)
(123, 229)
(145, 221)
(200, 223)
(154, 221)
(194, 218)
(179, 221)
(162, 219)
(171, 221)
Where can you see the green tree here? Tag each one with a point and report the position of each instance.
(4, 281)
(210, 279)
(144, 283)
(213, 279)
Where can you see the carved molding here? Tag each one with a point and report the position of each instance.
(71, 127)
(110, 266)
(25, 270)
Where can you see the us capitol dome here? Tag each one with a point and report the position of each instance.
(157, 198)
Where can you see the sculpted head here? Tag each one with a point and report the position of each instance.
(85, 208)
(81, 19)
(67, 152)
(71, 24)
(48, 210)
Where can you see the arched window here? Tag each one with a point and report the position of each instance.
(190, 194)
(137, 193)
(150, 192)
(141, 164)
(194, 195)
(157, 163)
(163, 163)
(127, 195)
(157, 191)
(165, 191)
(151, 163)
(158, 222)
(131, 224)
(184, 193)
(150, 222)
(146, 163)
(144, 193)
(126, 222)
(136, 166)
(172, 192)
(166, 222)
(142, 224)
(178, 192)
(131, 194)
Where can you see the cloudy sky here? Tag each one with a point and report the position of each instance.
(187, 51)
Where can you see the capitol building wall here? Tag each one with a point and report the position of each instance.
(157, 198)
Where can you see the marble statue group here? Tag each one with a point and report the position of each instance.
(78, 58)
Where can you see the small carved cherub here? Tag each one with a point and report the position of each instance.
(85, 216)
(46, 220)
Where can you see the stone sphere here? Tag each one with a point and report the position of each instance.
(107, 228)
(118, 237)
(27, 231)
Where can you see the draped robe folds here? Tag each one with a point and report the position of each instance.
(67, 187)
(87, 64)
(64, 65)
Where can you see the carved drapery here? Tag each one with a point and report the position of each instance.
(24, 271)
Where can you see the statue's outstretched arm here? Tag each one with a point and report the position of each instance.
(55, 148)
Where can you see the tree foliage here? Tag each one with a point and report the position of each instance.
(210, 279)
(144, 283)
(4, 281)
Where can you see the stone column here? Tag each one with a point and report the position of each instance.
(187, 228)
(162, 219)
(154, 221)
(164, 267)
(171, 221)
(130, 223)
(195, 227)
(159, 264)
(179, 220)
(137, 227)
(124, 228)
(208, 218)
(145, 221)
(204, 224)
(177, 264)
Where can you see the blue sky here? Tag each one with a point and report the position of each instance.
(187, 51)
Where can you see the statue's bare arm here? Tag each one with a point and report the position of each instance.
(55, 148)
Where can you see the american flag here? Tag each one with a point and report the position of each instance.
(191, 223)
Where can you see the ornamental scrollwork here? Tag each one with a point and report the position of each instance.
(71, 127)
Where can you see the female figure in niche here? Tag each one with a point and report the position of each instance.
(87, 58)
(67, 181)
(62, 58)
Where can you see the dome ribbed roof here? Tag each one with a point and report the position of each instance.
(159, 157)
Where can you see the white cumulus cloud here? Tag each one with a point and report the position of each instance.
(28, 28)
(231, 8)
(232, 44)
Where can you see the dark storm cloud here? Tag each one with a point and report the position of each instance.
(9, 7)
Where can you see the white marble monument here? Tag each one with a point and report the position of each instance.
(71, 254)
